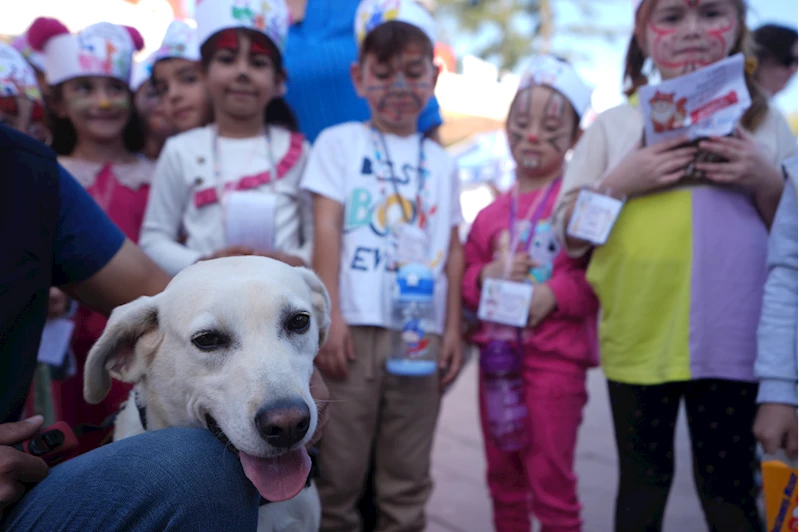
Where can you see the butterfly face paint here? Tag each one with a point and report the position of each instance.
(686, 35)
(98, 107)
(540, 130)
(397, 90)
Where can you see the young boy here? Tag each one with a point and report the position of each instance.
(374, 184)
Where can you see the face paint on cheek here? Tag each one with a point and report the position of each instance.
(714, 37)
(555, 106)
(559, 141)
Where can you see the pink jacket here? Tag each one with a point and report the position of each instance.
(566, 339)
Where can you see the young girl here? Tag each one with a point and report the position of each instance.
(680, 279)
(96, 135)
(557, 345)
(178, 78)
(150, 109)
(251, 153)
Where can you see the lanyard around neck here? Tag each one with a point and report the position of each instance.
(272, 169)
(421, 168)
(532, 215)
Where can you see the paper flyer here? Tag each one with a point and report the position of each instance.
(708, 102)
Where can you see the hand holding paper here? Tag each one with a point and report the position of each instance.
(746, 164)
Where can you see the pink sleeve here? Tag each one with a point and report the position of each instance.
(573, 294)
(477, 252)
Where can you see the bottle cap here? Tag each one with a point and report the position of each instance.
(415, 282)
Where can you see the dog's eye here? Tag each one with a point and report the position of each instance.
(299, 323)
(208, 341)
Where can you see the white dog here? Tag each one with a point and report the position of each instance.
(229, 345)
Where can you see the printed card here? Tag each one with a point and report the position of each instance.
(594, 216)
(704, 103)
(505, 302)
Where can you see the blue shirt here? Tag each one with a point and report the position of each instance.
(318, 56)
(52, 233)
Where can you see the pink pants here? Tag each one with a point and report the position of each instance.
(541, 478)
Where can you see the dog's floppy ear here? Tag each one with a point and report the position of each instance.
(120, 351)
(320, 300)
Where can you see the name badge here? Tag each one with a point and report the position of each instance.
(412, 245)
(505, 302)
(250, 220)
(594, 216)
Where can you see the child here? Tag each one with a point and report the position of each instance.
(21, 103)
(34, 58)
(680, 279)
(178, 78)
(150, 109)
(252, 147)
(369, 178)
(96, 134)
(557, 346)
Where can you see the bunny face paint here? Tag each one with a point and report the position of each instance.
(540, 127)
(685, 35)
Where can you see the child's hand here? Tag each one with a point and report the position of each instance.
(747, 165)
(542, 305)
(651, 167)
(519, 269)
(776, 427)
(291, 260)
(229, 251)
(451, 358)
(337, 350)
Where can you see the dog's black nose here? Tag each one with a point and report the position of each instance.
(283, 423)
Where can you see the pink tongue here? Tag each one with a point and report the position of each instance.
(280, 478)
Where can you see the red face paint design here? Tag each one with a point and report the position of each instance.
(685, 35)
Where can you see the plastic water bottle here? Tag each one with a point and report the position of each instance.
(414, 314)
(501, 365)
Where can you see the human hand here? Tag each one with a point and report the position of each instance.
(542, 304)
(337, 350)
(321, 396)
(229, 251)
(291, 260)
(745, 165)
(519, 268)
(451, 358)
(776, 427)
(18, 469)
(650, 167)
(57, 304)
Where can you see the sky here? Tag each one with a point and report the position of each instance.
(603, 63)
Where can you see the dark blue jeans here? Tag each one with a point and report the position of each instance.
(166, 480)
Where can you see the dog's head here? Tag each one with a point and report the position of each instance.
(228, 345)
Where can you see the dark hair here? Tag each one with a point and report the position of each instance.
(277, 112)
(634, 63)
(65, 136)
(389, 39)
(774, 43)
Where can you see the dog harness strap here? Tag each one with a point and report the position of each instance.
(142, 410)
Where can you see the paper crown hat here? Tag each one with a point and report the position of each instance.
(102, 49)
(372, 13)
(141, 72)
(180, 42)
(561, 76)
(32, 56)
(17, 78)
(270, 17)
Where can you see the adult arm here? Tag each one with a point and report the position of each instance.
(776, 363)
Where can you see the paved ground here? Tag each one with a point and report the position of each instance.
(460, 501)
